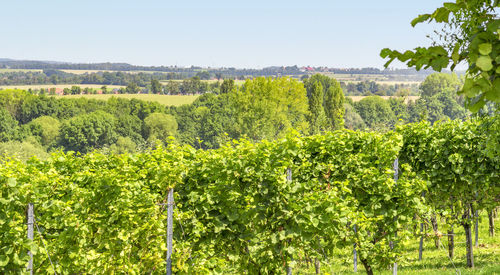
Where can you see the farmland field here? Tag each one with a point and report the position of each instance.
(210, 81)
(18, 70)
(357, 98)
(378, 78)
(62, 86)
(167, 100)
(111, 71)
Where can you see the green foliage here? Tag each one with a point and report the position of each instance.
(438, 82)
(235, 208)
(156, 86)
(376, 112)
(334, 106)
(94, 212)
(352, 120)
(159, 126)
(123, 145)
(471, 35)
(46, 128)
(204, 75)
(90, 131)
(9, 129)
(442, 106)
(132, 88)
(317, 120)
(11, 100)
(332, 99)
(227, 86)
(493, 138)
(267, 108)
(22, 150)
(400, 109)
(451, 156)
(130, 126)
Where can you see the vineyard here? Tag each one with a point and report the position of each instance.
(251, 208)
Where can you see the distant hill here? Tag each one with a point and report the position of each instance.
(231, 72)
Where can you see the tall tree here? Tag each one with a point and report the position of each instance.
(227, 86)
(317, 118)
(334, 106)
(132, 88)
(333, 99)
(218, 75)
(266, 108)
(156, 87)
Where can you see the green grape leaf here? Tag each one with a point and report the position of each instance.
(484, 63)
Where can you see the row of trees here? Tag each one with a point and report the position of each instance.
(438, 101)
(367, 88)
(260, 109)
(51, 76)
(172, 84)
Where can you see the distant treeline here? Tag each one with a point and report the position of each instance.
(367, 88)
(51, 76)
(149, 82)
(191, 71)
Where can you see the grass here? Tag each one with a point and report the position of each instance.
(434, 260)
(167, 100)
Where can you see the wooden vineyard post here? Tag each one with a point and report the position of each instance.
(30, 223)
(289, 180)
(421, 246)
(170, 212)
(491, 222)
(396, 175)
(355, 254)
(468, 237)
(476, 226)
(476, 229)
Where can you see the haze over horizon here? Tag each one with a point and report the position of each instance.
(253, 34)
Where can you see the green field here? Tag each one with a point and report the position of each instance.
(62, 86)
(167, 100)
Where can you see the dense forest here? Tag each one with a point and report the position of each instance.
(261, 108)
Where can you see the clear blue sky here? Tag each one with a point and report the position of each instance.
(334, 33)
